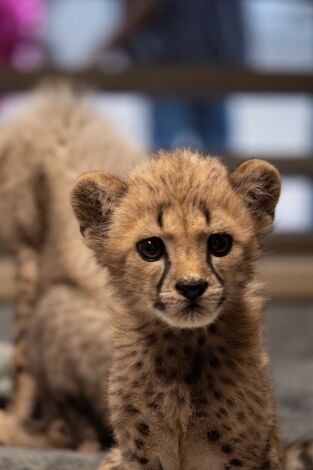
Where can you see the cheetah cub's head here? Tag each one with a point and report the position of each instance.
(179, 236)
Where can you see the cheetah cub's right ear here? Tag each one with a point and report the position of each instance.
(93, 198)
(258, 183)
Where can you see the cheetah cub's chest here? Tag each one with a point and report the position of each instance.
(162, 392)
(181, 394)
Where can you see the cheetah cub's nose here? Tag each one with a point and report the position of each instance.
(191, 289)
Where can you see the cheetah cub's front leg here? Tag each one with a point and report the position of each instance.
(188, 388)
(116, 460)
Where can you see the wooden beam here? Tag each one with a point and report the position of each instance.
(285, 277)
(288, 278)
(166, 79)
(293, 165)
(290, 244)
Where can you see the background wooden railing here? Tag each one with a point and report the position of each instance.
(288, 267)
(170, 79)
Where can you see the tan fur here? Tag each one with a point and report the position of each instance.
(62, 330)
(189, 387)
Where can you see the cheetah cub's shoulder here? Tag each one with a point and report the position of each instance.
(189, 387)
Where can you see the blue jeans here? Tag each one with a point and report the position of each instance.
(200, 125)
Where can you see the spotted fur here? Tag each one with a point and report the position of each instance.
(189, 386)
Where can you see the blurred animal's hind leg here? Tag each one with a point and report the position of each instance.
(13, 433)
(24, 395)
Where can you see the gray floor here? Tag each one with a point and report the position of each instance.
(289, 333)
(5, 322)
(289, 336)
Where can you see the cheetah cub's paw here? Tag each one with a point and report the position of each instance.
(112, 460)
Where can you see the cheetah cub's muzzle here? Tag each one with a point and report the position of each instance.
(190, 291)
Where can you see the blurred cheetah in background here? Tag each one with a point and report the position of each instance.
(61, 322)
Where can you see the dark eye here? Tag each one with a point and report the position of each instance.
(151, 249)
(219, 244)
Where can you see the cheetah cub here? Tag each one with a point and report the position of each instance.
(189, 386)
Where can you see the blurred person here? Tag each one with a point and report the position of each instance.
(184, 32)
(19, 27)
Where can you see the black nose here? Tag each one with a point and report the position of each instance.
(191, 289)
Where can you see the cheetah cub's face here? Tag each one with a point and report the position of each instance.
(180, 235)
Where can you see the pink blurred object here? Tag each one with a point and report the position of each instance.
(20, 21)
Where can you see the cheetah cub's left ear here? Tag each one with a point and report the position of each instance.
(93, 198)
(258, 183)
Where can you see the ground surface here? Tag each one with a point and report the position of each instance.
(289, 333)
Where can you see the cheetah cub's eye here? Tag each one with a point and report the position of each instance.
(219, 244)
(151, 249)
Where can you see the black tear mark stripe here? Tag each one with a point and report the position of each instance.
(216, 274)
(160, 214)
(167, 265)
(160, 219)
(205, 212)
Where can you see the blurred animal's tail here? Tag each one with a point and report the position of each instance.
(299, 456)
